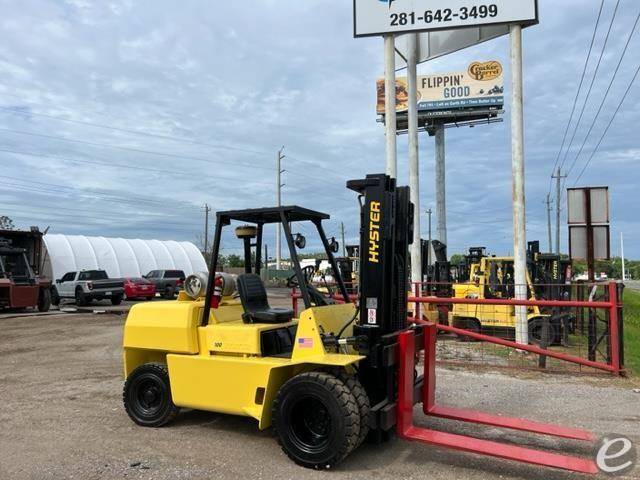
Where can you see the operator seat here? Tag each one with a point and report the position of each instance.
(253, 296)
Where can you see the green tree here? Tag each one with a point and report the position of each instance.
(235, 261)
(456, 258)
(6, 223)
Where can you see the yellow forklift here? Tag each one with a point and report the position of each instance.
(325, 381)
(492, 277)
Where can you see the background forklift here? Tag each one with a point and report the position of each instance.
(483, 276)
(338, 374)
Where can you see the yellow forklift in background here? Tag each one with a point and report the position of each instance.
(493, 277)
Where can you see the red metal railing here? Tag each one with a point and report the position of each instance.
(611, 306)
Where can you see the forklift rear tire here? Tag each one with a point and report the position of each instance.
(316, 420)
(535, 331)
(147, 396)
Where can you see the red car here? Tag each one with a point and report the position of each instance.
(139, 288)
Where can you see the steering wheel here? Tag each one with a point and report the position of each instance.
(307, 273)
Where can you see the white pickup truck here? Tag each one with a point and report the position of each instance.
(88, 285)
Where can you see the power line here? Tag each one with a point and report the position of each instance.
(575, 100)
(615, 73)
(606, 130)
(113, 215)
(134, 199)
(593, 80)
(129, 149)
(121, 165)
(131, 131)
(153, 152)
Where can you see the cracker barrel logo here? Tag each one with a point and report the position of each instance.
(485, 71)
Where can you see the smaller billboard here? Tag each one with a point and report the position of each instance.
(481, 85)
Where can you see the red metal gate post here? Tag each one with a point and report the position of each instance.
(430, 332)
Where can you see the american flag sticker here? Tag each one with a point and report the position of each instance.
(305, 342)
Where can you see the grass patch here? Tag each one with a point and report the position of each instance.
(631, 301)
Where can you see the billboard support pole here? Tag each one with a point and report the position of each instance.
(414, 159)
(517, 165)
(390, 105)
(441, 198)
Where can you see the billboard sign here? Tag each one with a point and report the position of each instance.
(588, 218)
(579, 242)
(380, 17)
(577, 203)
(481, 85)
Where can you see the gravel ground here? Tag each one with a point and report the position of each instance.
(61, 384)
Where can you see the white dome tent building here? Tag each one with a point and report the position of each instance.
(119, 257)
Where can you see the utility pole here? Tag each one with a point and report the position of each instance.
(441, 202)
(266, 263)
(414, 159)
(390, 105)
(429, 212)
(549, 222)
(207, 209)
(279, 185)
(344, 247)
(558, 178)
(624, 272)
(518, 183)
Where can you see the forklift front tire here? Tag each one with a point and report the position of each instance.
(147, 396)
(316, 420)
(362, 399)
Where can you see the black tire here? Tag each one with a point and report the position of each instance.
(535, 331)
(55, 297)
(471, 324)
(147, 396)
(362, 399)
(81, 300)
(316, 420)
(169, 293)
(44, 300)
(116, 299)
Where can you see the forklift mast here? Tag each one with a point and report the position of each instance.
(386, 230)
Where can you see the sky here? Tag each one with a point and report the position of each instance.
(123, 118)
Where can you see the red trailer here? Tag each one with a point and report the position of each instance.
(20, 283)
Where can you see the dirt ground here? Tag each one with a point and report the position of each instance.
(62, 418)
